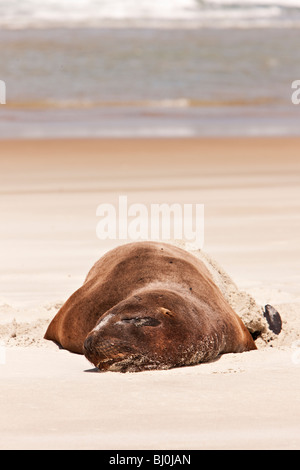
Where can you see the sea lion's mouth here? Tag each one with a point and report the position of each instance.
(113, 366)
(118, 356)
(132, 363)
(121, 363)
(104, 354)
(109, 363)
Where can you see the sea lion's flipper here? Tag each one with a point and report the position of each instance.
(273, 318)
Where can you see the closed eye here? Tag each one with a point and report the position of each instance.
(142, 321)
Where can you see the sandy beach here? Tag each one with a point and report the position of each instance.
(50, 190)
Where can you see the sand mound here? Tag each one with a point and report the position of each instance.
(246, 306)
(24, 334)
(16, 332)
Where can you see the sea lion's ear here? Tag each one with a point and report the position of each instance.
(273, 318)
(166, 311)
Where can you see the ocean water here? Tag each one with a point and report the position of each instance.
(146, 67)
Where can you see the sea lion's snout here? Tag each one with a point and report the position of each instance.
(103, 352)
(127, 340)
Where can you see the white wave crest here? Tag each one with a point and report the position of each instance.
(143, 13)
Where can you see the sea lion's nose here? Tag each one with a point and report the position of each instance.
(88, 345)
(100, 350)
(94, 345)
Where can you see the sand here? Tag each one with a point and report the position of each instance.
(52, 399)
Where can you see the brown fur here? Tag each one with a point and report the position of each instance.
(148, 305)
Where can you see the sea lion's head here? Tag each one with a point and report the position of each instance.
(150, 330)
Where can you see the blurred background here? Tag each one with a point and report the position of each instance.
(94, 68)
(148, 68)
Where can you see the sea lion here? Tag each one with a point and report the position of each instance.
(148, 305)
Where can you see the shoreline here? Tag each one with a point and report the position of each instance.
(268, 148)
